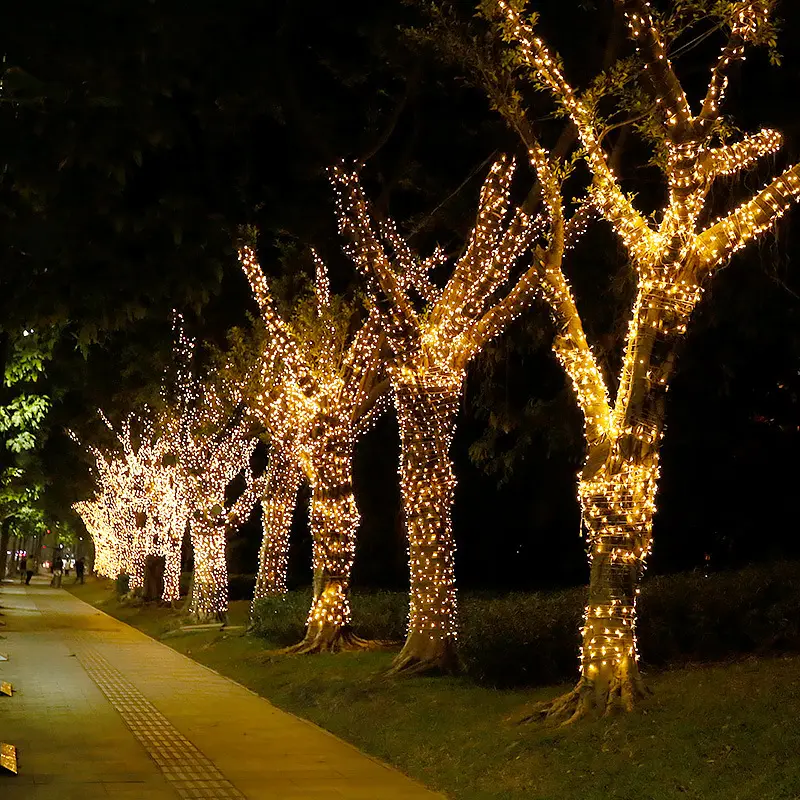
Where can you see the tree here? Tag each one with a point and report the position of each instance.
(431, 348)
(22, 414)
(319, 390)
(673, 259)
(210, 444)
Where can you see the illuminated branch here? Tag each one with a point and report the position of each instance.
(739, 156)
(606, 192)
(355, 225)
(718, 242)
(666, 87)
(280, 337)
(748, 16)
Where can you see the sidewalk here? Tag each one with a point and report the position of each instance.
(102, 711)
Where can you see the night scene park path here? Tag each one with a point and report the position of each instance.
(100, 710)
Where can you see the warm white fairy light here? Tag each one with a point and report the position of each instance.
(431, 351)
(209, 444)
(317, 397)
(139, 510)
(618, 484)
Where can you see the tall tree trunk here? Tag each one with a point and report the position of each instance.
(427, 407)
(277, 508)
(334, 521)
(617, 494)
(209, 600)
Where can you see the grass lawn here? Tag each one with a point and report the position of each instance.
(727, 731)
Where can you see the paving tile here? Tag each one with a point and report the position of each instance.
(104, 711)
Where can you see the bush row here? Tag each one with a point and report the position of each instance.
(526, 638)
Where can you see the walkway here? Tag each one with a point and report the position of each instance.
(100, 710)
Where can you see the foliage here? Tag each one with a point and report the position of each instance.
(530, 638)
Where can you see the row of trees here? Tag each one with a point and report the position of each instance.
(314, 379)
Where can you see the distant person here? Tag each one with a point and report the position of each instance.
(58, 571)
(23, 566)
(79, 568)
(28, 572)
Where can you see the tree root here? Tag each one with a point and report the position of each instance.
(333, 640)
(438, 660)
(625, 691)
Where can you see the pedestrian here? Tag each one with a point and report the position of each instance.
(58, 571)
(79, 567)
(29, 572)
(23, 566)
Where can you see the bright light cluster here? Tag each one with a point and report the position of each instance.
(209, 444)
(138, 511)
(318, 393)
(672, 259)
(430, 351)
(158, 482)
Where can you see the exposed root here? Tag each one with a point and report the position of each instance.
(623, 690)
(333, 640)
(207, 618)
(421, 656)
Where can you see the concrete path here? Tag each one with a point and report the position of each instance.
(100, 710)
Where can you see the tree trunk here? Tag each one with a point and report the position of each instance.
(334, 521)
(617, 494)
(277, 508)
(209, 600)
(427, 407)
(172, 569)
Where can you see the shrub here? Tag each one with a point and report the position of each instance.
(526, 638)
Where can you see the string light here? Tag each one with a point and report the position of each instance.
(319, 392)
(430, 353)
(673, 259)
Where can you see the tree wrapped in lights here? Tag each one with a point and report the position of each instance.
(673, 258)
(140, 510)
(319, 390)
(209, 444)
(431, 348)
(95, 516)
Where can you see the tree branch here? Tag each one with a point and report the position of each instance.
(667, 89)
(719, 241)
(636, 234)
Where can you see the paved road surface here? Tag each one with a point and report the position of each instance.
(102, 711)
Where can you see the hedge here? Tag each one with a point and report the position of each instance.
(527, 638)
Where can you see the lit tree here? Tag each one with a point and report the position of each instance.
(674, 258)
(141, 507)
(95, 516)
(210, 445)
(431, 348)
(319, 391)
